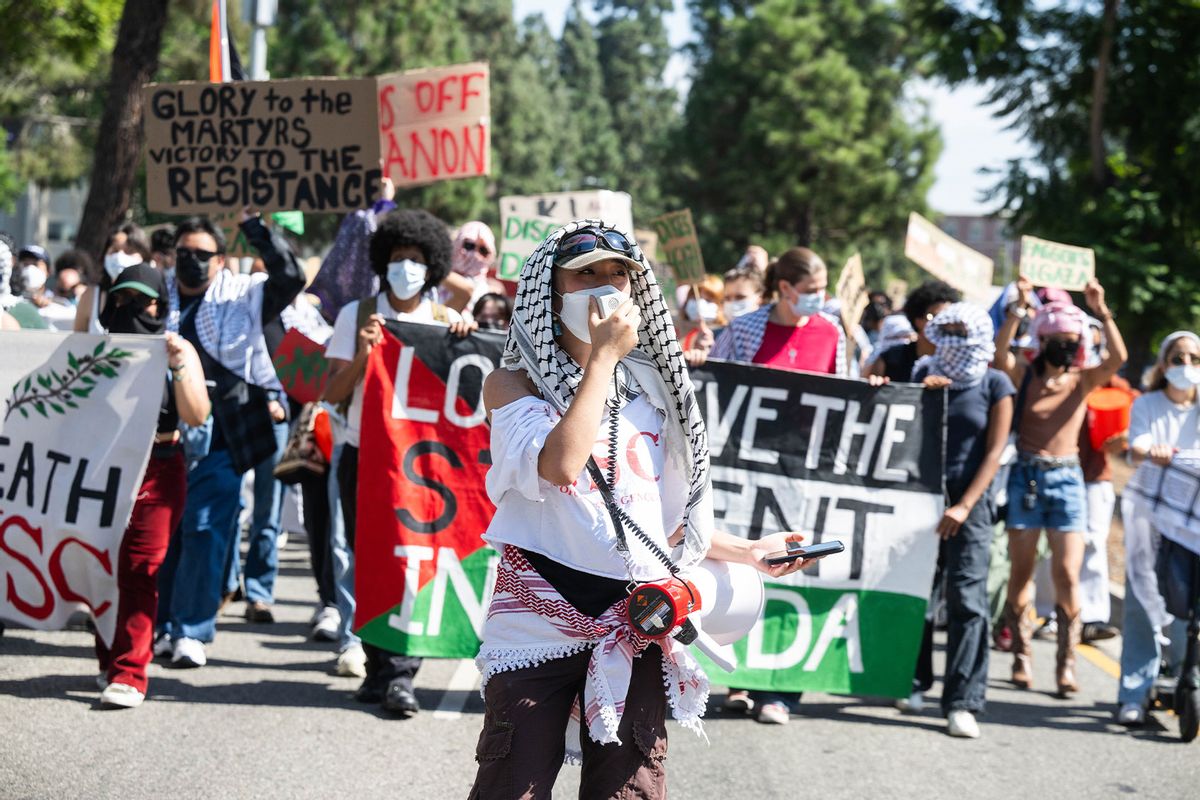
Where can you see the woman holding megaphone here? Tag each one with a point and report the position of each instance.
(600, 476)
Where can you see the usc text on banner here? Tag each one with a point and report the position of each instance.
(797, 451)
(423, 576)
(76, 427)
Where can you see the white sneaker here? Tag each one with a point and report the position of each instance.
(102, 681)
(962, 724)
(121, 695)
(1131, 714)
(773, 714)
(188, 653)
(163, 646)
(352, 662)
(325, 624)
(913, 704)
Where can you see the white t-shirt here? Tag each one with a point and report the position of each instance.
(344, 341)
(1154, 419)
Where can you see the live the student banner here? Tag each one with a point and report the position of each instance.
(790, 451)
(66, 492)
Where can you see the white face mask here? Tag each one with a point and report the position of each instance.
(1184, 376)
(700, 309)
(577, 309)
(35, 279)
(806, 305)
(406, 278)
(736, 308)
(115, 263)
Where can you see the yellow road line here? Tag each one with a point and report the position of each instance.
(1101, 660)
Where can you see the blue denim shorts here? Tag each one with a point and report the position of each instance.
(1061, 498)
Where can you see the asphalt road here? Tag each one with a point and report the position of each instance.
(266, 719)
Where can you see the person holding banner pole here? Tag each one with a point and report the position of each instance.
(410, 252)
(137, 303)
(1046, 486)
(578, 388)
(978, 419)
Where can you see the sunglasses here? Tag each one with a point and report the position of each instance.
(587, 240)
(482, 249)
(203, 256)
(1180, 359)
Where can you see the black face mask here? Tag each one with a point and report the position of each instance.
(1059, 353)
(190, 270)
(132, 317)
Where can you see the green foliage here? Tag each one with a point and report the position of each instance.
(1143, 216)
(797, 129)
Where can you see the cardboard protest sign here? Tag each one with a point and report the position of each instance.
(948, 259)
(525, 220)
(897, 292)
(75, 435)
(423, 575)
(648, 241)
(1047, 263)
(301, 366)
(852, 294)
(303, 145)
(435, 124)
(790, 450)
(679, 245)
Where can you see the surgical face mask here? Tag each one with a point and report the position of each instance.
(406, 278)
(577, 309)
(1184, 376)
(35, 279)
(736, 308)
(700, 309)
(806, 305)
(114, 263)
(1060, 353)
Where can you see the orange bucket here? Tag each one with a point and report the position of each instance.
(323, 434)
(1108, 414)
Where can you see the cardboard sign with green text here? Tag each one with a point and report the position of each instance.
(1064, 266)
(525, 220)
(679, 247)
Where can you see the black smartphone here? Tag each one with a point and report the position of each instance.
(796, 551)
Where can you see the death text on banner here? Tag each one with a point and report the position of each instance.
(949, 260)
(679, 246)
(66, 494)
(292, 145)
(1065, 266)
(435, 124)
(796, 451)
(424, 576)
(525, 220)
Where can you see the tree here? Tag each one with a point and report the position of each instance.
(1106, 95)
(797, 129)
(119, 140)
(595, 144)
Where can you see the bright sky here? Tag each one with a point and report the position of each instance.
(972, 138)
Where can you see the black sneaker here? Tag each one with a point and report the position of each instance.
(259, 613)
(400, 700)
(1098, 631)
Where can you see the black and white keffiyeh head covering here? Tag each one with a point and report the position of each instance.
(962, 359)
(657, 359)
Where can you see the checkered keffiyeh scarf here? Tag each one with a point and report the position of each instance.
(531, 347)
(894, 330)
(962, 359)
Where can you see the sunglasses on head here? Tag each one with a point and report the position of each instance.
(587, 240)
(1180, 359)
(203, 256)
(482, 249)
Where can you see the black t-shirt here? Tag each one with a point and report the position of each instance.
(898, 362)
(966, 427)
(590, 594)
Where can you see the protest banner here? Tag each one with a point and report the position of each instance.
(853, 298)
(66, 493)
(1047, 263)
(293, 145)
(301, 366)
(423, 576)
(790, 450)
(525, 220)
(435, 124)
(948, 259)
(679, 245)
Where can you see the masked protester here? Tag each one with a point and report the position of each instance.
(18, 311)
(125, 247)
(1046, 485)
(703, 315)
(472, 264)
(557, 637)
(978, 419)
(493, 312)
(898, 348)
(410, 252)
(136, 303)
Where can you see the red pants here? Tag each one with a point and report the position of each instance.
(155, 515)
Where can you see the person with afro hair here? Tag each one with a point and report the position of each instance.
(922, 304)
(410, 251)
